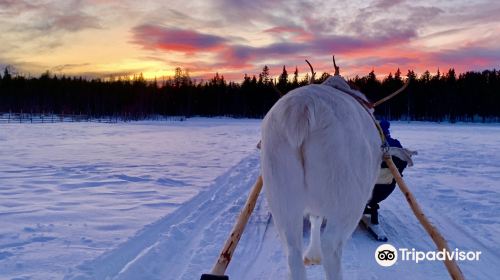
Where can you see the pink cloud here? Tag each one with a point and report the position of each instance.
(298, 34)
(384, 51)
(232, 57)
(173, 39)
(467, 58)
(318, 45)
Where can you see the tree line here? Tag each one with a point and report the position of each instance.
(470, 96)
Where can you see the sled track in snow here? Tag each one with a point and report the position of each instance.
(187, 242)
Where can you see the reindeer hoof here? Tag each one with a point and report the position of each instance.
(312, 261)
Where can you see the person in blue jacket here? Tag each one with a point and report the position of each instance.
(385, 183)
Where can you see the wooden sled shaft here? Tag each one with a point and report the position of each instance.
(451, 265)
(231, 243)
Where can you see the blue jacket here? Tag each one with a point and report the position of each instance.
(382, 191)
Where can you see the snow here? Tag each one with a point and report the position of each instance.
(71, 191)
(156, 200)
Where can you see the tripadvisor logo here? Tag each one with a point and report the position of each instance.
(387, 255)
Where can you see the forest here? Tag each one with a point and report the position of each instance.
(448, 96)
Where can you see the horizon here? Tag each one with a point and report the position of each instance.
(273, 75)
(106, 38)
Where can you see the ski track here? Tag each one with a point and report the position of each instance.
(186, 243)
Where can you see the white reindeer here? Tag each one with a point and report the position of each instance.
(320, 156)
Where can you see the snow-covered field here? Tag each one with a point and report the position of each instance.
(155, 200)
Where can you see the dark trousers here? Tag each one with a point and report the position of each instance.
(380, 192)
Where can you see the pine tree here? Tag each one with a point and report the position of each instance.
(246, 80)
(411, 75)
(283, 78)
(254, 80)
(451, 76)
(295, 81)
(389, 78)
(372, 77)
(6, 74)
(264, 75)
(397, 76)
(178, 77)
(469, 96)
(426, 77)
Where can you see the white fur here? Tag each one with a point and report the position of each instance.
(320, 156)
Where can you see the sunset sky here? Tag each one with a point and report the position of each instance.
(102, 38)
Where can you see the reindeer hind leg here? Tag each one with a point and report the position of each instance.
(312, 254)
(332, 243)
(290, 227)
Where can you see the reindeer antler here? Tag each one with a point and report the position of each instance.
(393, 94)
(337, 69)
(312, 72)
